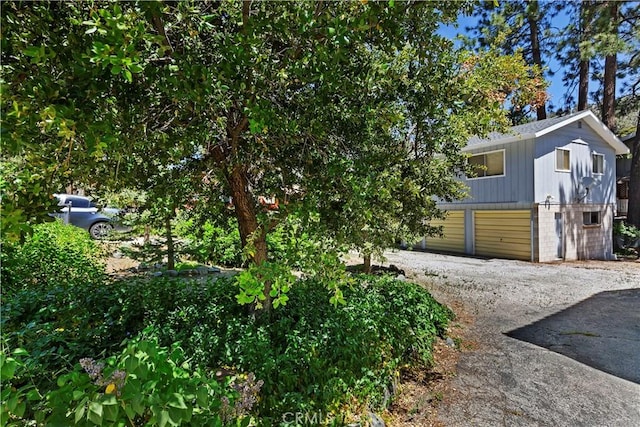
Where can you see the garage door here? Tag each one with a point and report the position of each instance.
(503, 234)
(453, 233)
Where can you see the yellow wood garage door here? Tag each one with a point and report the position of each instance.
(453, 233)
(503, 234)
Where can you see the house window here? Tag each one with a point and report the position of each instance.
(488, 164)
(591, 218)
(597, 161)
(563, 159)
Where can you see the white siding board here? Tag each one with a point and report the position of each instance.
(564, 187)
(517, 183)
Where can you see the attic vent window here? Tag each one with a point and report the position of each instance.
(563, 160)
(579, 124)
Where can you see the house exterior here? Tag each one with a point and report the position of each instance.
(623, 175)
(545, 191)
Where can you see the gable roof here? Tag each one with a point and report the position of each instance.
(542, 127)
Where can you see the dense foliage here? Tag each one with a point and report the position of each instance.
(309, 354)
(54, 255)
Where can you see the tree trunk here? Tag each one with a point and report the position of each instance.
(532, 18)
(367, 264)
(583, 85)
(633, 215)
(171, 254)
(583, 66)
(610, 70)
(250, 231)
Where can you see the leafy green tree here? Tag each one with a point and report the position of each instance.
(261, 99)
(512, 25)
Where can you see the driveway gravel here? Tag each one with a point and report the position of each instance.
(553, 344)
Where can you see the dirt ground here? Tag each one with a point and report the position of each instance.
(494, 379)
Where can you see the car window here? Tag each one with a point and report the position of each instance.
(78, 202)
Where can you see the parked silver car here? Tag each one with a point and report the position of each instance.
(82, 212)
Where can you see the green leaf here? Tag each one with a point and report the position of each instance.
(20, 352)
(109, 400)
(91, 30)
(8, 368)
(128, 76)
(111, 412)
(20, 409)
(95, 413)
(202, 396)
(164, 418)
(177, 401)
(79, 413)
(33, 394)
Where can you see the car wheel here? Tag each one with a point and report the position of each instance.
(100, 230)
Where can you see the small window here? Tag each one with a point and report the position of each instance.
(488, 164)
(563, 159)
(597, 161)
(591, 218)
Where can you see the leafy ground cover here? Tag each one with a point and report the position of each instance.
(309, 356)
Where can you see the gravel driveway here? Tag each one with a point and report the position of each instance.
(572, 353)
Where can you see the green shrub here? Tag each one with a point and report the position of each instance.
(626, 236)
(16, 393)
(145, 385)
(310, 354)
(218, 242)
(212, 242)
(54, 255)
(149, 385)
(61, 324)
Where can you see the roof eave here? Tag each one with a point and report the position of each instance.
(492, 143)
(587, 115)
(599, 127)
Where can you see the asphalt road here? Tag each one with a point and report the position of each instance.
(554, 344)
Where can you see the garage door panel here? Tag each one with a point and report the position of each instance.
(504, 234)
(453, 233)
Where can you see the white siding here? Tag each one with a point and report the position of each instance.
(517, 183)
(565, 187)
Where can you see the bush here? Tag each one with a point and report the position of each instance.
(54, 255)
(149, 385)
(311, 355)
(218, 242)
(626, 236)
(212, 242)
(62, 324)
(145, 385)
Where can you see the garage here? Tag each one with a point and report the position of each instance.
(453, 233)
(503, 234)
